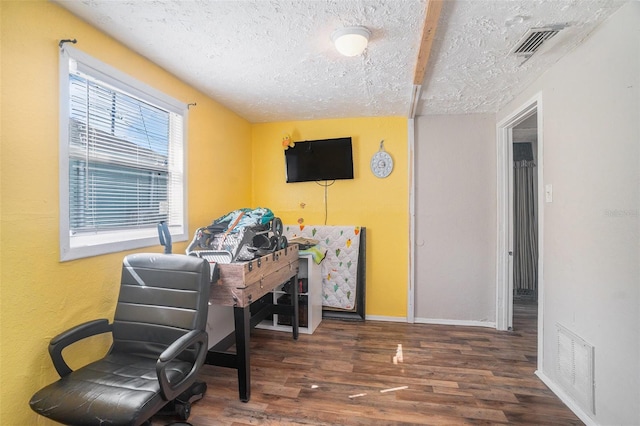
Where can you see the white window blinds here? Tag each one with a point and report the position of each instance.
(124, 154)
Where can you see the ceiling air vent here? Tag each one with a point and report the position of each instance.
(533, 39)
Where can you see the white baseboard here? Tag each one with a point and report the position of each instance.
(433, 321)
(467, 323)
(566, 399)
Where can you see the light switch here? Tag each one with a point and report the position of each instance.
(548, 193)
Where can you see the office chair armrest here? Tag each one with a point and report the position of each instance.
(72, 335)
(195, 337)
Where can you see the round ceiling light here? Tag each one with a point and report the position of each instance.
(351, 41)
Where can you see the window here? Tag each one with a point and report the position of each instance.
(121, 160)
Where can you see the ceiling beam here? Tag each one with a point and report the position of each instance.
(428, 33)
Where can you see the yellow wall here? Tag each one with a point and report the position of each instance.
(40, 295)
(379, 204)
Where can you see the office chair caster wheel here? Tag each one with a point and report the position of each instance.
(183, 411)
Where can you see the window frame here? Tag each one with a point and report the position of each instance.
(113, 241)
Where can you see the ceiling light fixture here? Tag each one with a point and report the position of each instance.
(351, 41)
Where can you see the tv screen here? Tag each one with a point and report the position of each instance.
(326, 159)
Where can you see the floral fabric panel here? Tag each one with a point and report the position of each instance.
(340, 265)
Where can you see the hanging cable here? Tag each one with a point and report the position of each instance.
(326, 185)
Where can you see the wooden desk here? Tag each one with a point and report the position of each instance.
(240, 285)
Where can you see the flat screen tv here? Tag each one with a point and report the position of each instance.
(325, 159)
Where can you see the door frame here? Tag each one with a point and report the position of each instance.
(411, 136)
(504, 266)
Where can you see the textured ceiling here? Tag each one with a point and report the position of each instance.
(274, 60)
(471, 70)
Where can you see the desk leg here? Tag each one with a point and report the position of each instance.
(242, 318)
(296, 311)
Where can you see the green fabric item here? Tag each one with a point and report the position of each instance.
(316, 253)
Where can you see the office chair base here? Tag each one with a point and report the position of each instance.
(181, 406)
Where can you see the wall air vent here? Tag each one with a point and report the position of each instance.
(533, 39)
(575, 368)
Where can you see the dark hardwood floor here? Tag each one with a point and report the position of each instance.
(453, 375)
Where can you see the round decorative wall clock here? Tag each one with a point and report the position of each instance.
(381, 162)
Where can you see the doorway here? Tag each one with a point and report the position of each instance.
(525, 122)
(524, 251)
(525, 215)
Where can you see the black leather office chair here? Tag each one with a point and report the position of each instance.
(159, 344)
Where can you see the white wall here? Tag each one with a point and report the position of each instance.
(455, 234)
(591, 252)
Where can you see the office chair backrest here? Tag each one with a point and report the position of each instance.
(161, 298)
